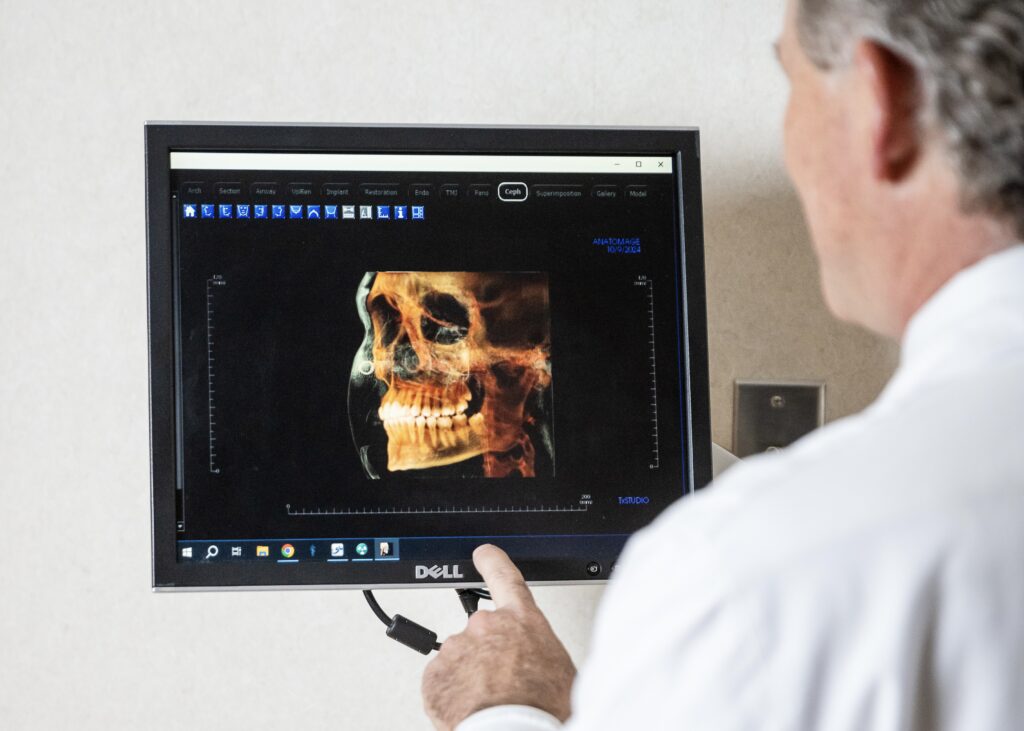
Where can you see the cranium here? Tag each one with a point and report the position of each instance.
(461, 360)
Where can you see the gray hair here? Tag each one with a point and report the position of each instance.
(969, 55)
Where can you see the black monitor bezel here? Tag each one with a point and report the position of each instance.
(682, 144)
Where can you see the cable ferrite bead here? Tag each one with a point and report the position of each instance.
(412, 635)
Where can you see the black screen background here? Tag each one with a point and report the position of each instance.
(287, 328)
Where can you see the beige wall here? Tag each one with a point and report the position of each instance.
(83, 643)
(766, 317)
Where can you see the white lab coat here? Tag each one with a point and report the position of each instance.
(869, 577)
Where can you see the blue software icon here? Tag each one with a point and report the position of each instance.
(277, 211)
(259, 211)
(331, 213)
(383, 211)
(295, 211)
(401, 213)
(242, 210)
(417, 213)
(209, 210)
(313, 212)
(225, 210)
(188, 210)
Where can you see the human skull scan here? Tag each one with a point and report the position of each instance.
(453, 377)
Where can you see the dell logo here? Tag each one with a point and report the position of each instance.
(438, 572)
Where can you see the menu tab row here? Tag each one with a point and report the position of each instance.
(507, 191)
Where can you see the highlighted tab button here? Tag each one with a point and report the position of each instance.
(513, 192)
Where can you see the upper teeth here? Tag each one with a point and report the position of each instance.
(401, 404)
(430, 422)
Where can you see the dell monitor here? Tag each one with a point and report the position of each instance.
(373, 349)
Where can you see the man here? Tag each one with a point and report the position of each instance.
(871, 576)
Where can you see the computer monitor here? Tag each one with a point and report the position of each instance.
(373, 349)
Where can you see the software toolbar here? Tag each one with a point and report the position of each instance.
(297, 211)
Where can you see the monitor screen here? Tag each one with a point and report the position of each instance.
(376, 349)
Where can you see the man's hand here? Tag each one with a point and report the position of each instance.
(508, 656)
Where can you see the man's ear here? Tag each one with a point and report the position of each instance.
(893, 92)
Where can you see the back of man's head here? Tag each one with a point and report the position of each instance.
(948, 72)
(970, 57)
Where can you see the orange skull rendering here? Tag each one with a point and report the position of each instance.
(461, 365)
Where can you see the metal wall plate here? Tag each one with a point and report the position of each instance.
(772, 416)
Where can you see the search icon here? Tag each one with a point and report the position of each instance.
(212, 552)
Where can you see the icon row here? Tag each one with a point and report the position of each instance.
(309, 212)
(362, 550)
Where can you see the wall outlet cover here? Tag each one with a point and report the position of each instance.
(772, 416)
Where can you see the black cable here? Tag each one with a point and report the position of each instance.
(404, 630)
(470, 599)
(417, 636)
(372, 601)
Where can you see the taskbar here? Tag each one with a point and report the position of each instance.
(291, 551)
(388, 549)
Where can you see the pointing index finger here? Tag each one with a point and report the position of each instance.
(505, 582)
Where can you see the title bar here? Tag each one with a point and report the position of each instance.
(406, 163)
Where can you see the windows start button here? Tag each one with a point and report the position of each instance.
(513, 192)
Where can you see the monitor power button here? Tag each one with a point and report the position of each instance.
(593, 569)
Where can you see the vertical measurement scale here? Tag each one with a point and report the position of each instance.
(643, 281)
(211, 285)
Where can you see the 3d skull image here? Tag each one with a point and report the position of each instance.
(455, 369)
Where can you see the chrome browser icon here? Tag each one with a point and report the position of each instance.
(287, 550)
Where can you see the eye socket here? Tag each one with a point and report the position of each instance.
(386, 319)
(446, 321)
(446, 308)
